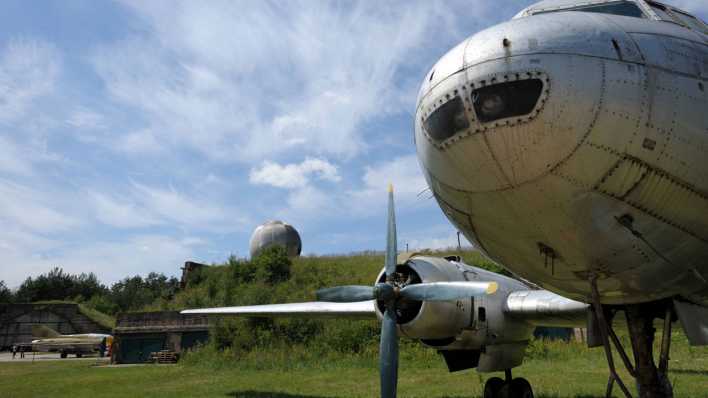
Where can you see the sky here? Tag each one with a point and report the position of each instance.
(137, 135)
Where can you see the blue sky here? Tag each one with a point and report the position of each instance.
(137, 135)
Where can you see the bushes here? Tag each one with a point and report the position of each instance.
(6, 295)
(273, 278)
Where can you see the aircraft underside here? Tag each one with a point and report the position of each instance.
(637, 256)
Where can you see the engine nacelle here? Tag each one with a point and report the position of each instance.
(429, 320)
(470, 323)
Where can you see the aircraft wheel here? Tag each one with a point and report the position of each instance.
(63, 355)
(79, 355)
(492, 387)
(518, 388)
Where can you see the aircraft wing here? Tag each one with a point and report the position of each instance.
(313, 309)
(544, 308)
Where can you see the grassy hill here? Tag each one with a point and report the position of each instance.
(271, 279)
(238, 282)
(99, 317)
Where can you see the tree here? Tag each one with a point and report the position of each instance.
(272, 265)
(133, 293)
(58, 285)
(6, 295)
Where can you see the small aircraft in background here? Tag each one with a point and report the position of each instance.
(49, 340)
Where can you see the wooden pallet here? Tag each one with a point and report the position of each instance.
(164, 356)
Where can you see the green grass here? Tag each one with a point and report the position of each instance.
(555, 369)
(99, 317)
(317, 359)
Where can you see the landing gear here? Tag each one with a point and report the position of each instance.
(652, 382)
(63, 355)
(509, 388)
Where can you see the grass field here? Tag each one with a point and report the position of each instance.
(555, 369)
(318, 359)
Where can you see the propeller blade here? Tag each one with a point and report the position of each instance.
(445, 291)
(388, 354)
(346, 294)
(391, 249)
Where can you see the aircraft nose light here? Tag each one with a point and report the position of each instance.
(509, 99)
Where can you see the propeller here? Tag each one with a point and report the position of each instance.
(390, 294)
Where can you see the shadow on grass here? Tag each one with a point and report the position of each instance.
(689, 372)
(267, 394)
(567, 396)
(270, 394)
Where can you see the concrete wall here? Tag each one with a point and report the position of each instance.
(16, 321)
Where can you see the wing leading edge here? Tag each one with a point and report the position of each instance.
(313, 309)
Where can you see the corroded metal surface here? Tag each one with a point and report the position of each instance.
(619, 130)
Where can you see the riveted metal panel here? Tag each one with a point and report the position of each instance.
(671, 53)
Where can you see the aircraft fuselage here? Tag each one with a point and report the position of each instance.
(599, 165)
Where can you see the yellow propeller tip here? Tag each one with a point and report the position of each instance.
(390, 187)
(492, 288)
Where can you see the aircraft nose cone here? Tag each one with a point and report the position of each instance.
(513, 102)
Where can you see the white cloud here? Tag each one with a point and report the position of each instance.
(138, 142)
(135, 255)
(179, 208)
(402, 172)
(310, 201)
(145, 206)
(28, 70)
(32, 210)
(239, 82)
(294, 175)
(307, 203)
(436, 241)
(124, 213)
(83, 118)
(110, 260)
(11, 158)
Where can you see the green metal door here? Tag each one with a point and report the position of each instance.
(138, 349)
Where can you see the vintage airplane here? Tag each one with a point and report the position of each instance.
(569, 145)
(49, 340)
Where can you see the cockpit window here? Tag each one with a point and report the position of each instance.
(503, 100)
(624, 8)
(690, 21)
(447, 120)
(661, 12)
(678, 16)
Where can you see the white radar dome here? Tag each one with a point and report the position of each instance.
(274, 233)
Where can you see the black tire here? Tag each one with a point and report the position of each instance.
(521, 388)
(505, 391)
(79, 355)
(63, 355)
(492, 387)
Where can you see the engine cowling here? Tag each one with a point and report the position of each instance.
(461, 324)
(441, 320)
